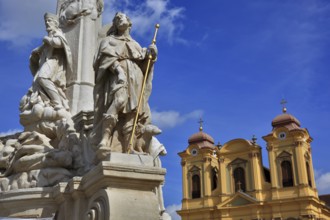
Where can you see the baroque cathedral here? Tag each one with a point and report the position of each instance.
(229, 182)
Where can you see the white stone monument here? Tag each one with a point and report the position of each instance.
(88, 150)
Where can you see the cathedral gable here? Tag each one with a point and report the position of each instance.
(239, 199)
(238, 161)
(284, 154)
(195, 169)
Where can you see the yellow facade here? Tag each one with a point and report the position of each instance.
(229, 182)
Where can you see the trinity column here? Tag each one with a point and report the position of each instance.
(76, 159)
(81, 22)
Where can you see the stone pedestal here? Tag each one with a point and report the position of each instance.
(125, 187)
(28, 203)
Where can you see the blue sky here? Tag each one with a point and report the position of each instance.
(227, 61)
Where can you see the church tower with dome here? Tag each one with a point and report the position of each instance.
(229, 182)
(290, 159)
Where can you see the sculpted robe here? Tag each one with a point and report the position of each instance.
(132, 58)
(53, 63)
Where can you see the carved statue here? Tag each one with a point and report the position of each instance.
(49, 63)
(47, 152)
(46, 102)
(120, 66)
(59, 146)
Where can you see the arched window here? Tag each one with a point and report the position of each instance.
(196, 186)
(287, 177)
(308, 174)
(239, 179)
(214, 179)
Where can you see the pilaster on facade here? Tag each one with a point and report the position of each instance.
(311, 167)
(257, 176)
(185, 181)
(223, 182)
(273, 170)
(300, 164)
(205, 178)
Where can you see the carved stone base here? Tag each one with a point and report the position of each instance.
(28, 203)
(125, 187)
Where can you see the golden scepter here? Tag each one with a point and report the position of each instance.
(142, 92)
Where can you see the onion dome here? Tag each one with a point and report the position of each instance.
(286, 120)
(201, 139)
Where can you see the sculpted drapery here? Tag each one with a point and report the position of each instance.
(51, 61)
(46, 101)
(120, 66)
(127, 53)
(47, 151)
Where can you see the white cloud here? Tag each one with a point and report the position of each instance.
(22, 21)
(146, 14)
(10, 132)
(171, 210)
(170, 119)
(323, 182)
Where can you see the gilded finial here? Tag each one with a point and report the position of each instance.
(154, 39)
(283, 103)
(200, 124)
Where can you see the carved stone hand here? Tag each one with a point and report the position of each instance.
(153, 51)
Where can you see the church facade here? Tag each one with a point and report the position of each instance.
(229, 182)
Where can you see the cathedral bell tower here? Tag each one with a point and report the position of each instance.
(200, 167)
(290, 159)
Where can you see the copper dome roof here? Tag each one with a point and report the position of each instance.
(286, 120)
(202, 139)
